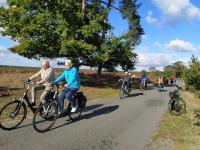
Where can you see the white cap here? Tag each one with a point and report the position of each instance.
(125, 72)
(68, 61)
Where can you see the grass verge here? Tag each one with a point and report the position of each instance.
(178, 132)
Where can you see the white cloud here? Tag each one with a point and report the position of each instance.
(3, 3)
(151, 20)
(11, 59)
(174, 11)
(180, 45)
(2, 49)
(155, 59)
(177, 45)
(159, 60)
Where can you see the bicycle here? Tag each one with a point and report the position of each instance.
(124, 89)
(14, 112)
(176, 105)
(47, 113)
(160, 87)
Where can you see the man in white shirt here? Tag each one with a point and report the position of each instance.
(47, 75)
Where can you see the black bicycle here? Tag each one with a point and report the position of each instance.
(14, 112)
(176, 105)
(47, 113)
(124, 89)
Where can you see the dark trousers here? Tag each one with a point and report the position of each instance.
(67, 93)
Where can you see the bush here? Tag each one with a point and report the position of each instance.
(192, 76)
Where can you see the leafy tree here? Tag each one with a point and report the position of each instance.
(179, 69)
(154, 71)
(168, 71)
(59, 28)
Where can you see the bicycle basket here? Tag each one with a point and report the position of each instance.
(81, 99)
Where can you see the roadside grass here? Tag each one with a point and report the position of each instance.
(180, 130)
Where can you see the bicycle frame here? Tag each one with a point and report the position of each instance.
(25, 98)
(175, 98)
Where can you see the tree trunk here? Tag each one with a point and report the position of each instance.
(98, 82)
(99, 70)
(84, 8)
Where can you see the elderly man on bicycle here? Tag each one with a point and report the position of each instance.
(72, 78)
(47, 75)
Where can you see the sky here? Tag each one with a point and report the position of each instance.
(171, 34)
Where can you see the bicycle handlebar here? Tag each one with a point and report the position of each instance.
(179, 88)
(30, 82)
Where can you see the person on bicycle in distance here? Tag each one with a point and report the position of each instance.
(47, 75)
(72, 78)
(126, 79)
(160, 82)
(130, 79)
(144, 79)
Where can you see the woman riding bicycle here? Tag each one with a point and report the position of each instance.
(72, 78)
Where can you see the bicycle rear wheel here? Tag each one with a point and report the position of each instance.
(74, 116)
(45, 117)
(12, 115)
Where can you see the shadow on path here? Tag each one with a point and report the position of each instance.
(94, 113)
(136, 94)
(88, 108)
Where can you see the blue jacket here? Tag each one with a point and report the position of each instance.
(71, 76)
(144, 78)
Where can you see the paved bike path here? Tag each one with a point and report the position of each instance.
(116, 124)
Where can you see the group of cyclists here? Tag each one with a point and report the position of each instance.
(72, 78)
(165, 81)
(70, 75)
(127, 81)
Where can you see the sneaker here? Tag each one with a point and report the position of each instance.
(74, 109)
(33, 103)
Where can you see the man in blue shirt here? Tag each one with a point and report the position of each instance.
(143, 80)
(72, 78)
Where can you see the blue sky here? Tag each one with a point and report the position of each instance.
(171, 34)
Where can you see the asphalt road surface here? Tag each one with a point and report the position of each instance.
(114, 124)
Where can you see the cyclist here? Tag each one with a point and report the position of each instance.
(144, 80)
(160, 83)
(131, 77)
(126, 79)
(47, 74)
(72, 78)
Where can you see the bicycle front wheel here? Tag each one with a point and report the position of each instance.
(12, 115)
(178, 108)
(45, 117)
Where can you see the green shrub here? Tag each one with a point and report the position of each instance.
(192, 76)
